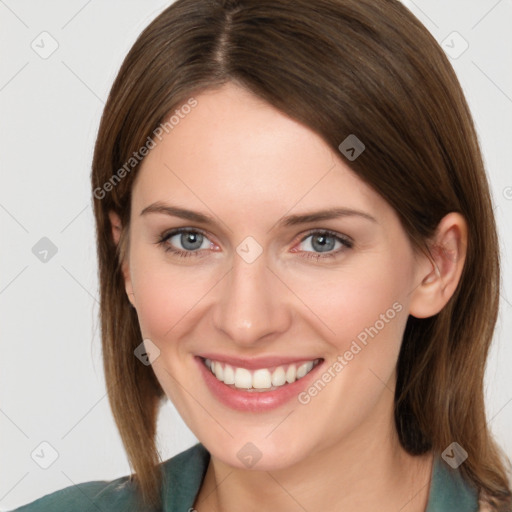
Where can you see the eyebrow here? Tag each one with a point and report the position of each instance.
(290, 220)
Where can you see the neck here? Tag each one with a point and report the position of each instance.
(365, 471)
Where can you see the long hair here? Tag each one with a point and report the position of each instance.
(340, 67)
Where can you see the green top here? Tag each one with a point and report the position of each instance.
(184, 474)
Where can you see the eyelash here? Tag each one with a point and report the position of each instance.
(345, 241)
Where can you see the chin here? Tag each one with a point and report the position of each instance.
(258, 454)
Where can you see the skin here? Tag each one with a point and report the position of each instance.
(247, 165)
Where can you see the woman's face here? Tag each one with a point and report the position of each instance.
(290, 263)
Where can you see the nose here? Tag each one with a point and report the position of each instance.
(252, 303)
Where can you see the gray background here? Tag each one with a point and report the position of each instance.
(51, 379)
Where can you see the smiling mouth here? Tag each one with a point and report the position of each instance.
(261, 379)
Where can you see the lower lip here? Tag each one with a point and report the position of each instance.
(254, 401)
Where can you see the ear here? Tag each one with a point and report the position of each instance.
(439, 274)
(117, 228)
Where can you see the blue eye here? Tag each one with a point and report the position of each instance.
(191, 241)
(319, 244)
(323, 244)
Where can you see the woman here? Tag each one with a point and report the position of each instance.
(292, 212)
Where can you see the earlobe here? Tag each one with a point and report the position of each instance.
(439, 273)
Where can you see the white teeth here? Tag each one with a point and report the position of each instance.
(262, 378)
(229, 375)
(218, 370)
(303, 369)
(243, 378)
(278, 377)
(291, 373)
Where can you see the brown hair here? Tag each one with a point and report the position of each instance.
(340, 67)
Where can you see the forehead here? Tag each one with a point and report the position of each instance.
(233, 150)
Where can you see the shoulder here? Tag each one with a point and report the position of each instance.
(120, 494)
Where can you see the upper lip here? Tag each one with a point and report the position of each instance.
(254, 363)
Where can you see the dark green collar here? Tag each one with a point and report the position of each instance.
(184, 474)
(449, 491)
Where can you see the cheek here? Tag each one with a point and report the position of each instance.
(357, 303)
(165, 293)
